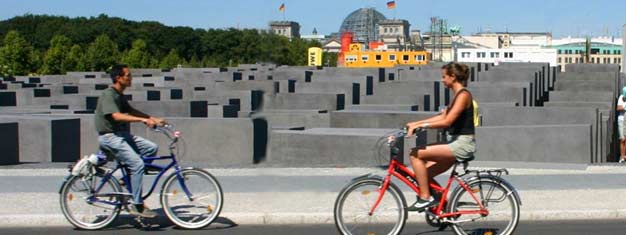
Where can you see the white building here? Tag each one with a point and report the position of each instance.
(499, 55)
(332, 45)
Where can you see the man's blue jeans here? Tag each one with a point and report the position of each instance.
(129, 150)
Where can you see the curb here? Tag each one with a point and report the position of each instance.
(56, 220)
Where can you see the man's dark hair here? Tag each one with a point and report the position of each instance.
(117, 71)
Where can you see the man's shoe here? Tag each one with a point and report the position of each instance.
(141, 210)
(621, 160)
(421, 204)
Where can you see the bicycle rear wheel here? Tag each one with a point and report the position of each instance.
(355, 201)
(198, 209)
(85, 209)
(498, 199)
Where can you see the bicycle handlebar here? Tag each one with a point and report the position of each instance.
(169, 131)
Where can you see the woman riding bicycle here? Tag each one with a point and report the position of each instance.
(457, 118)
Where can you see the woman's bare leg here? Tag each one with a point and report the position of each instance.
(442, 158)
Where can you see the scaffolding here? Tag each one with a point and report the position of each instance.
(438, 29)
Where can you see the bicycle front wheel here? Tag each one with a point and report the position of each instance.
(499, 201)
(193, 200)
(355, 201)
(86, 209)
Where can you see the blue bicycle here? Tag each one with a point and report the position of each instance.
(190, 197)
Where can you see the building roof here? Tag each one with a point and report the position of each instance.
(363, 23)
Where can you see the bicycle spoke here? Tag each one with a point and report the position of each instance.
(199, 210)
(501, 206)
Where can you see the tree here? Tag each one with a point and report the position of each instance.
(55, 60)
(137, 56)
(101, 54)
(75, 61)
(16, 54)
(172, 60)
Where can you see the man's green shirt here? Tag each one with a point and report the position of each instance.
(110, 102)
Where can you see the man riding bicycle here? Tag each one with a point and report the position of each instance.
(112, 115)
(458, 119)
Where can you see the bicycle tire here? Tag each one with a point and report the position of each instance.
(77, 190)
(363, 192)
(502, 219)
(172, 194)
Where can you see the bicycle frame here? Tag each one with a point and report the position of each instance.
(148, 164)
(401, 172)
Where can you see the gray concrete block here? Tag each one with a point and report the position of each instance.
(9, 143)
(384, 107)
(47, 139)
(375, 118)
(305, 101)
(592, 68)
(304, 118)
(535, 143)
(215, 142)
(582, 96)
(326, 147)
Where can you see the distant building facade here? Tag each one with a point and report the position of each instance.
(289, 29)
(499, 55)
(395, 34)
(332, 45)
(595, 53)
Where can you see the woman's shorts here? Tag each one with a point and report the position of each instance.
(463, 146)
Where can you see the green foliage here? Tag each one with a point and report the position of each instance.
(16, 54)
(55, 60)
(99, 42)
(101, 54)
(75, 61)
(330, 59)
(172, 60)
(138, 56)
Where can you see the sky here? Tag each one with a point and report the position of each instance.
(560, 17)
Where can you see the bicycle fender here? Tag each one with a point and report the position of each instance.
(65, 179)
(501, 181)
(367, 176)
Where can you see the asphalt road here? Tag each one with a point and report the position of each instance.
(128, 226)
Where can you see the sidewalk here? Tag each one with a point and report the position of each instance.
(28, 197)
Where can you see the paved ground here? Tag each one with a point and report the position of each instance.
(596, 227)
(255, 196)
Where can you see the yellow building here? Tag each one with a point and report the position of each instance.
(355, 58)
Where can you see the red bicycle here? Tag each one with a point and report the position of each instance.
(481, 203)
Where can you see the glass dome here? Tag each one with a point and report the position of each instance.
(363, 23)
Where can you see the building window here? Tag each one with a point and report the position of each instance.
(405, 57)
(385, 30)
(364, 58)
(465, 54)
(481, 54)
(558, 51)
(378, 57)
(495, 54)
(559, 60)
(392, 57)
